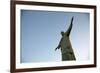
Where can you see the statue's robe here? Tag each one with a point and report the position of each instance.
(66, 48)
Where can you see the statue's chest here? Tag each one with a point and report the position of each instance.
(65, 41)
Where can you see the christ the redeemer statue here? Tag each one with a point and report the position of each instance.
(65, 45)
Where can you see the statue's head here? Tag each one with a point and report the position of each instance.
(62, 33)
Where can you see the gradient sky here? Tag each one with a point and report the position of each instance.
(40, 35)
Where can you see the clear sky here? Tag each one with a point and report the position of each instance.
(40, 35)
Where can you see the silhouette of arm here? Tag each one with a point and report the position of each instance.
(59, 45)
(70, 27)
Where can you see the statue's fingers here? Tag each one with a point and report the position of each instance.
(72, 18)
(55, 49)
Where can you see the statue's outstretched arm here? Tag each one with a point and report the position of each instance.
(59, 45)
(70, 27)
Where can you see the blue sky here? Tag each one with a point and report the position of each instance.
(40, 35)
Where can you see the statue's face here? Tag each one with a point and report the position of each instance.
(62, 33)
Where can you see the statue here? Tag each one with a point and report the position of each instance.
(65, 45)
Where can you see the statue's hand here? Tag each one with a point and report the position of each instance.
(56, 49)
(72, 19)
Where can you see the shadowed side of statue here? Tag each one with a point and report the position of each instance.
(65, 45)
